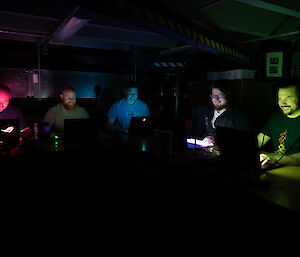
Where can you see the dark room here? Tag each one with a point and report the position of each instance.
(150, 111)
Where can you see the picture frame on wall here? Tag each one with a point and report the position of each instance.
(274, 63)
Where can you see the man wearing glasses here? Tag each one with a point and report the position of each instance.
(223, 112)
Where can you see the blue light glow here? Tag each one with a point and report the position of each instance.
(144, 146)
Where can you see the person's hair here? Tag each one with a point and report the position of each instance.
(224, 86)
(289, 83)
(4, 88)
(68, 88)
(131, 84)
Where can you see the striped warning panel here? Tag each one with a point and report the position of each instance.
(170, 64)
(162, 21)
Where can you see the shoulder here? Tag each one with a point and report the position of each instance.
(80, 109)
(13, 109)
(234, 112)
(277, 116)
(55, 108)
(141, 103)
(117, 103)
(237, 109)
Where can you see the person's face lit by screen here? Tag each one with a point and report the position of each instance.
(288, 101)
(68, 98)
(218, 99)
(4, 100)
(131, 95)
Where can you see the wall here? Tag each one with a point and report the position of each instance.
(22, 85)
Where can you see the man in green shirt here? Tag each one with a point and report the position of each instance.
(67, 109)
(283, 128)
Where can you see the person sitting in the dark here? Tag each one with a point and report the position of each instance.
(283, 128)
(8, 111)
(223, 113)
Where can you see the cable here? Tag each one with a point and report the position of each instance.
(262, 143)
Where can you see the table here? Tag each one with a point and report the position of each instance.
(122, 167)
(291, 173)
(284, 188)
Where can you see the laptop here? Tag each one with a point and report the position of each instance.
(140, 125)
(79, 131)
(238, 150)
(9, 132)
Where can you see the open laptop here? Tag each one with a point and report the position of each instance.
(140, 125)
(79, 131)
(238, 150)
(9, 132)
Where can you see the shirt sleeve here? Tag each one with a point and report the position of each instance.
(146, 110)
(50, 117)
(84, 113)
(113, 111)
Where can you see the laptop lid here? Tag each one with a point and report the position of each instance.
(140, 125)
(238, 149)
(79, 131)
(9, 132)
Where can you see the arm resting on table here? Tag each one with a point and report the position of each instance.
(290, 159)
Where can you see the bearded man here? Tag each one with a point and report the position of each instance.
(67, 109)
(283, 128)
(223, 112)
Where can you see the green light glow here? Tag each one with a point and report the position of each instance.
(144, 148)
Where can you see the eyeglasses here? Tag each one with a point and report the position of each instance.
(220, 96)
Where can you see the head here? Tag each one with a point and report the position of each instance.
(131, 92)
(289, 99)
(98, 90)
(220, 94)
(68, 97)
(5, 97)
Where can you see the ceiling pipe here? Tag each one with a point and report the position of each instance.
(68, 27)
(178, 49)
(271, 7)
(215, 3)
(271, 37)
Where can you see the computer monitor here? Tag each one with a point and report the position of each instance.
(140, 125)
(79, 131)
(238, 149)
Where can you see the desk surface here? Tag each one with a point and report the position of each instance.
(284, 188)
(155, 166)
(287, 172)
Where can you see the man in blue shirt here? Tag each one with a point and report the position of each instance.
(121, 112)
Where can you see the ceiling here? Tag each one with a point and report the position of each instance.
(228, 28)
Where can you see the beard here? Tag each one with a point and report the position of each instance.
(69, 106)
(131, 100)
(219, 107)
(289, 110)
